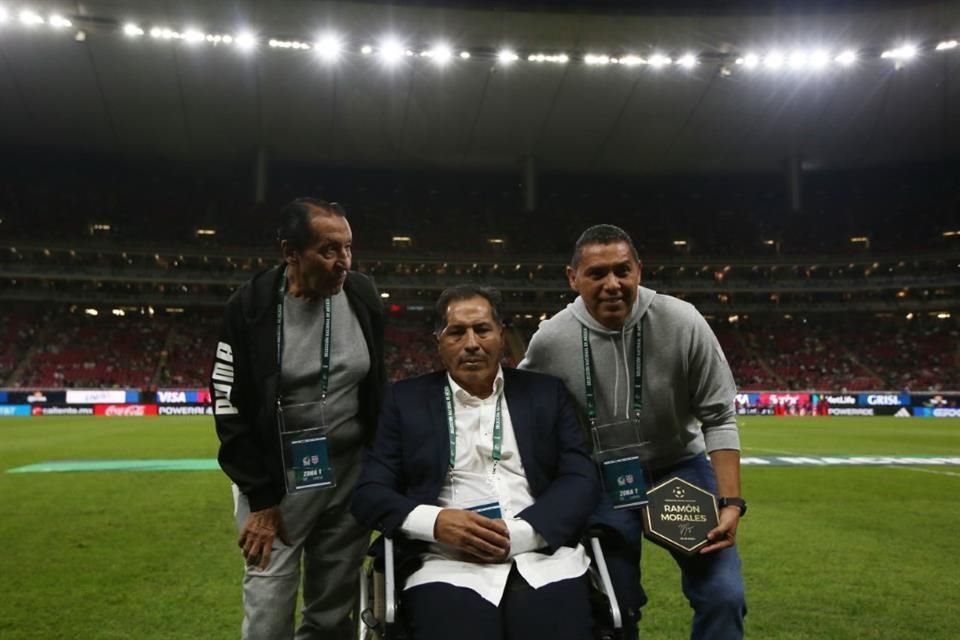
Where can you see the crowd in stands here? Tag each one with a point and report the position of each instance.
(64, 348)
(123, 233)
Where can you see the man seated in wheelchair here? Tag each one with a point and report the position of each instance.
(480, 471)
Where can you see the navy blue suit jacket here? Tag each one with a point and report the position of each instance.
(407, 465)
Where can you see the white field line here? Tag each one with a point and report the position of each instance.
(934, 471)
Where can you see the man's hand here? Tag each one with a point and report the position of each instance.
(258, 533)
(481, 538)
(725, 533)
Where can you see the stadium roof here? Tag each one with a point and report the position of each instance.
(90, 87)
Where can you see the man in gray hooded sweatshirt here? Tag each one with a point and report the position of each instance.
(649, 365)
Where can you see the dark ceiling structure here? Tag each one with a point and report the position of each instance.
(89, 87)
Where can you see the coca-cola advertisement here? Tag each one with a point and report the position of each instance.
(125, 410)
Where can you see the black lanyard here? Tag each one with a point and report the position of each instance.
(327, 337)
(589, 374)
(452, 428)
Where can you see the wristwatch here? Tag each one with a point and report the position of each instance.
(740, 503)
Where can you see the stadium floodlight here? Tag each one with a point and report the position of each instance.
(117, 311)
(774, 60)
(819, 59)
(132, 30)
(391, 50)
(557, 58)
(366, 49)
(30, 18)
(329, 47)
(507, 56)
(846, 58)
(465, 55)
(798, 60)
(59, 22)
(245, 41)
(632, 60)
(749, 61)
(91, 311)
(441, 53)
(193, 36)
(288, 44)
(947, 45)
(384, 294)
(900, 54)
(596, 59)
(658, 60)
(156, 32)
(687, 61)
(943, 315)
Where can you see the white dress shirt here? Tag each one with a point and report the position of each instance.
(476, 480)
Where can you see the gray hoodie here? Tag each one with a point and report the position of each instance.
(688, 388)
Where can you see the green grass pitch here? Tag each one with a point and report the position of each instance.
(829, 552)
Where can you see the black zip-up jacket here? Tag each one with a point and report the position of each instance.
(245, 378)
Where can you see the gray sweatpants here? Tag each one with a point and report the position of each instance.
(332, 545)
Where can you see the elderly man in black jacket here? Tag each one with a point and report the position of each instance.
(297, 384)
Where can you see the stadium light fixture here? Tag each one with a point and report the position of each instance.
(556, 58)
(846, 58)
(59, 22)
(798, 60)
(131, 30)
(593, 59)
(774, 60)
(391, 51)
(193, 36)
(91, 312)
(384, 295)
(819, 59)
(909, 316)
(687, 61)
(946, 45)
(749, 61)
(366, 49)
(507, 56)
(288, 44)
(465, 55)
(943, 315)
(329, 47)
(245, 41)
(900, 54)
(30, 18)
(440, 53)
(659, 60)
(632, 60)
(117, 311)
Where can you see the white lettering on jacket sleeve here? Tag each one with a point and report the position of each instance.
(223, 381)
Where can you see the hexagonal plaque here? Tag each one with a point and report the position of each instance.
(679, 515)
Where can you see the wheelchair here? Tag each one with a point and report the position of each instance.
(378, 610)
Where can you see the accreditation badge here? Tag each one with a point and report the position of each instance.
(308, 463)
(304, 449)
(475, 492)
(616, 448)
(623, 482)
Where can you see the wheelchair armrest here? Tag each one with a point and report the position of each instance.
(605, 581)
(390, 612)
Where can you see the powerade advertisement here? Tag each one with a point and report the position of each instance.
(880, 403)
